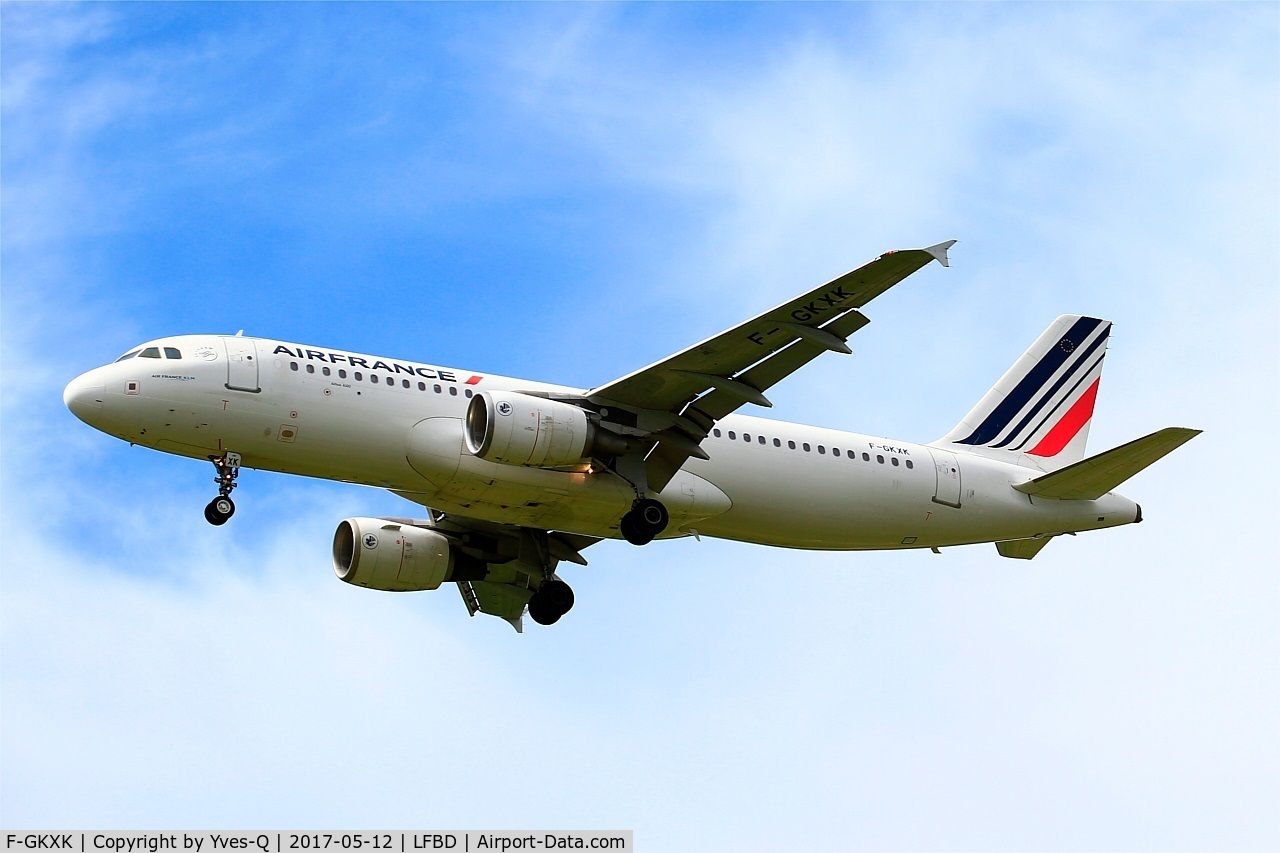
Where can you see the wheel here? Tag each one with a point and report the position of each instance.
(559, 594)
(632, 531)
(541, 612)
(552, 600)
(645, 520)
(219, 510)
(652, 514)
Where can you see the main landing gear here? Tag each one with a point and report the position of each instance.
(644, 521)
(222, 508)
(552, 600)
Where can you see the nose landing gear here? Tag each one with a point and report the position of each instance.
(222, 507)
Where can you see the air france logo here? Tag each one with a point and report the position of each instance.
(370, 541)
(504, 408)
(410, 369)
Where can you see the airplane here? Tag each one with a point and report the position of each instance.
(518, 477)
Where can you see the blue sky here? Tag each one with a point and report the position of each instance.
(569, 192)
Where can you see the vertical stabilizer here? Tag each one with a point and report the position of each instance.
(1041, 409)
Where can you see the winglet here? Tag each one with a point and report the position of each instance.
(940, 252)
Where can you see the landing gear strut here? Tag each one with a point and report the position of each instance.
(222, 508)
(645, 520)
(552, 600)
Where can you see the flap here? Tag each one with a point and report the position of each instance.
(504, 600)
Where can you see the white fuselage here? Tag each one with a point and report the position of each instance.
(319, 413)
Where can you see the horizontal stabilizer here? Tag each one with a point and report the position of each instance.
(1022, 549)
(1092, 478)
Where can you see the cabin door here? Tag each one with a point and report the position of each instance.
(242, 364)
(947, 490)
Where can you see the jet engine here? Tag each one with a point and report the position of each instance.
(520, 429)
(387, 555)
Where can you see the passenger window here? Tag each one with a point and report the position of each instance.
(293, 365)
(359, 376)
(715, 432)
(150, 352)
(822, 449)
(342, 374)
(733, 435)
(866, 457)
(373, 377)
(469, 392)
(805, 446)
(894, 460)
(311, 368)
(438, 389)
(405, 382)
(791, 444)
(760, 438)
(453, 390)
(835, 451)
(127, 356)
(746, 437)
(909, 465)
(325, 371)
(777, 442)
(422, 386)
(172, 352)
(879, 458)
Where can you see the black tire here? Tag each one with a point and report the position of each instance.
(542, 611)
(219, 510)
(558, 594)
(552, 600)
(652, 515)
(632, 531)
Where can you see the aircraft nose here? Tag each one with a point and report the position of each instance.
(84, 395)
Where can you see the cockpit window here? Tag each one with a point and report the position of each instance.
(150, 352)
(172, 352)
(127, 356)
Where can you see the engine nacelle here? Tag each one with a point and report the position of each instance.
(519, 429)
(381, 554)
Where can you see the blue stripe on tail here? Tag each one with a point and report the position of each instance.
(1066, 377)
(1031, 384)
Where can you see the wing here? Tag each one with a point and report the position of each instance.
(700, 385)
(507, 562)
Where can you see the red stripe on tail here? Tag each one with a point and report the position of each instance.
(1070, 425)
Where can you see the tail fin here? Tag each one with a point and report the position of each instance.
(1040, 410)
